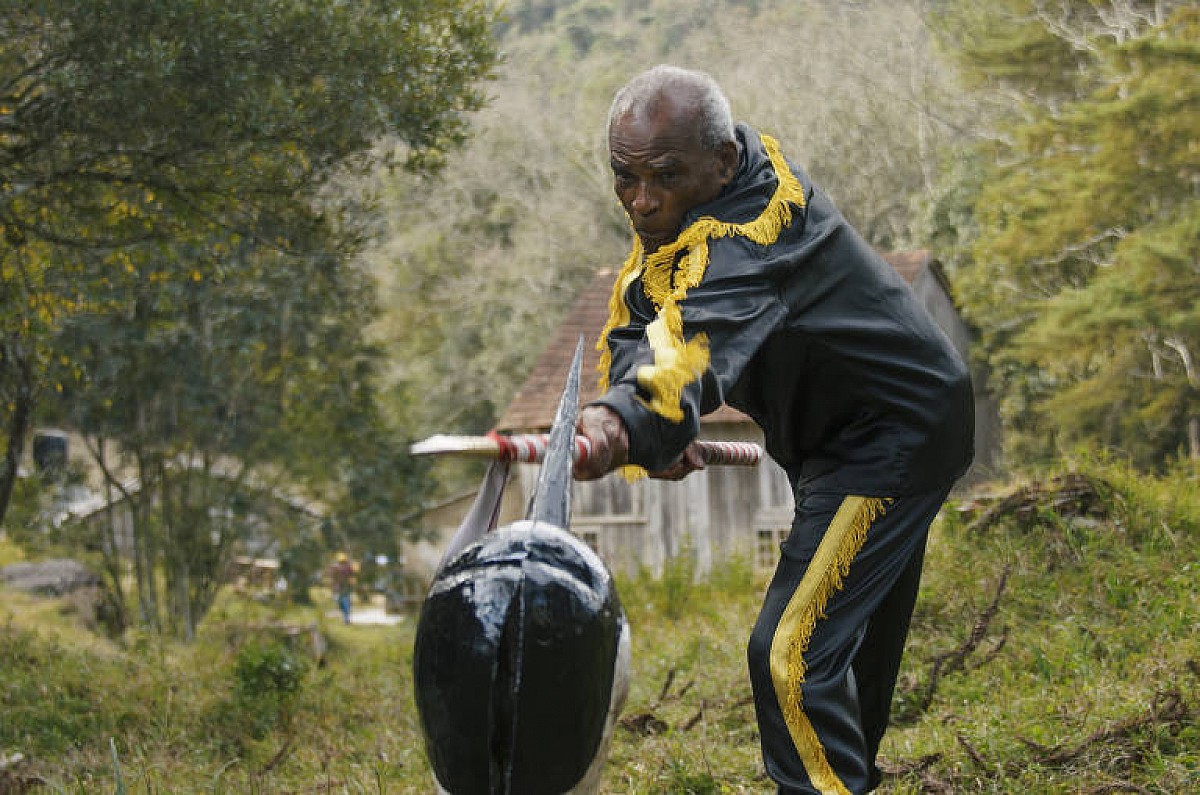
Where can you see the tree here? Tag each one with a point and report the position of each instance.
(1084, 271)
(211, 399)
(176, 249)
(130, 128)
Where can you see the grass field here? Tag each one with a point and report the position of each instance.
(1055, 649)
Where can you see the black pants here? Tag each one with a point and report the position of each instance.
(826, 649)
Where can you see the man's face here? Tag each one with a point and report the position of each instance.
(661, 171)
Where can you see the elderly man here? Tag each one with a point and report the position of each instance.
(746, 286)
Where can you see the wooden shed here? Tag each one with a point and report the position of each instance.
(720, 511)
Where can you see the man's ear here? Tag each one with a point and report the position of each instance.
(727, 157)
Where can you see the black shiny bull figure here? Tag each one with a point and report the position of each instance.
(521, 665)
(521, 661)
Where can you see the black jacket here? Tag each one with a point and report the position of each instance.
(817, 339)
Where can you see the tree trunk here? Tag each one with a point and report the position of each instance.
(18, 428)
(111, 547)
(145, 556)
(138, 540)
(174, 553)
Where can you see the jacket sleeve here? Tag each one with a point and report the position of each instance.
(735, 307)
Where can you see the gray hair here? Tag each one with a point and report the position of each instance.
(712, 108)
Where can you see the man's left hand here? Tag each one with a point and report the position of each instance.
(689, 461)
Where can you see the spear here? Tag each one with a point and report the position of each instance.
(531, 448)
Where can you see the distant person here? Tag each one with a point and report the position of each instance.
(746, 286)
(342, 576)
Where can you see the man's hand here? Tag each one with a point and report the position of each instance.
(605, 429)
(689, 461)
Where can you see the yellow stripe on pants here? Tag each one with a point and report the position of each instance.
(842, 541)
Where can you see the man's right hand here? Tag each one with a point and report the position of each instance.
(605, 429)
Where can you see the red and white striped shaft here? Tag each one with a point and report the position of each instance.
(531, 448)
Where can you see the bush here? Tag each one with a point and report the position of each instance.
(267, 679)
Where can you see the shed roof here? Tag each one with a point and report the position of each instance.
(532, 408)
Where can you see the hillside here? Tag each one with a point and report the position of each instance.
(1055, 649)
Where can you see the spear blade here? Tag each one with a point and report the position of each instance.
(552, 496)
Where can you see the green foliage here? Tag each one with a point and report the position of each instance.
(29, 503)
(1029, 50)
(268, 677)
(673, 591)
(1098, 599)
(266, 671)
(682, 779)
(9, 551)
(300, 563)
(1083, 246)
(175, 260)
(224, 395)
(676, 582)
(734, 575)
(680, 588)
(54, 697)
(152, 151)
(1157, 511)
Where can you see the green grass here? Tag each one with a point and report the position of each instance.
(9, 552)
(1084, 679)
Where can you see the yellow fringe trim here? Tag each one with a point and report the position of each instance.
(618, 315)
(618, 312)
(676, 363)
(632, 472)
(666, 285)
(842, 542)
